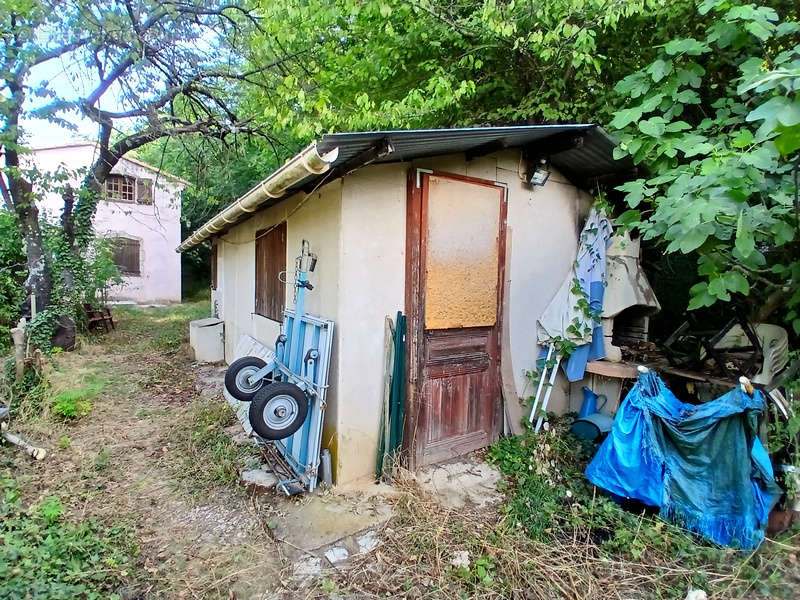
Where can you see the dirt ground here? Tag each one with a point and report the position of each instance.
(160, 452)
(156, 454)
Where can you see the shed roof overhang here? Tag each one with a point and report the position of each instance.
(582, 152)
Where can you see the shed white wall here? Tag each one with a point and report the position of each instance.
(357, 226)
(156, 226)
(372, 286)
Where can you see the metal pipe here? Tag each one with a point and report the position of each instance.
(547, 393)
(308, 162)
(542, 377)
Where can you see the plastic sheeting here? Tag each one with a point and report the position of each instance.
(703, 465)
(564, 318)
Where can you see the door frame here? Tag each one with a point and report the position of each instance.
(416, 215)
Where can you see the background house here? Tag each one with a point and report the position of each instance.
(141, 210)
(444, 225)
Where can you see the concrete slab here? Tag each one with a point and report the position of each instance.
(322, 519)
(463, 482)
(262, 477)
(337, 554)
(367, 542)
(308, 567)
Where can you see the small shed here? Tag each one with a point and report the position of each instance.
(469, 232)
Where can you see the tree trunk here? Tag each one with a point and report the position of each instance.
(773, 302)
(39, 283)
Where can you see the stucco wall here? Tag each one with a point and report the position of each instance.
(156, 226)
(372, 285)
(357, 226)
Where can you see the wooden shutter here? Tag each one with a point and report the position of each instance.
(144, 191)
(126, 256)
(214, 250)
(270, 262)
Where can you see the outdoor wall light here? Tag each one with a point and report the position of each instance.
(541, 173)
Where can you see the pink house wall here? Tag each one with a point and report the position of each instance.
(156, 226)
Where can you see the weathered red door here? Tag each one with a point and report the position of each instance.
(456, 252)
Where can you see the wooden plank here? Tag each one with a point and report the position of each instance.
(620, 370)
(413, 317)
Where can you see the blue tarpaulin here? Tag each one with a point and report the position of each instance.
(702, 465)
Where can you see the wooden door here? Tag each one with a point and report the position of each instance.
(456, 257)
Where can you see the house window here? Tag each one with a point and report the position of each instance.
(214, 251)
(121, 188)
(270, 263)
(126, 256)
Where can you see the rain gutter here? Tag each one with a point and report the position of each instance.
(308, 162)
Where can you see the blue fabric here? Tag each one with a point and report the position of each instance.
(703, 465)
(575, 367)
(590, 271)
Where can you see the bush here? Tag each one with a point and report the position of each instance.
(73, 404)
(12, 275)
(23, 398)
(45, 557)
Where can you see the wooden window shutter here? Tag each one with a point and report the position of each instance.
(144, 191)
(214, 251)
(126, 256)
(270, 263)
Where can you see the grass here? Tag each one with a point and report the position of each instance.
(210, 457)
(45, 556)
(69, 525)
(553, 537)
(104, 513)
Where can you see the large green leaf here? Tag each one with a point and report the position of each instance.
(692, 239)
(736, 282)
(654, 127)
(778, 109)
(700, 296)
(659, 69)
(625, 117)
(745, 242)
(688, 46)
(788, 140)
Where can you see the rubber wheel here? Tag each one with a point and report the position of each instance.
(239, 372)
(278, 410)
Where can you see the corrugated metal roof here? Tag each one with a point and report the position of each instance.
(582, 164)
(594, 158)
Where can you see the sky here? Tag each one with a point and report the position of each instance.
(66, 80)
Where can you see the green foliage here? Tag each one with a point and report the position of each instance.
(783, 438)
(75, 401)
(26, 397)
(81, 275)
(716, 120)
(210, 456)
(12, 275)
(72, 405)
(396, 64)
(44, 556)
(550, 498)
